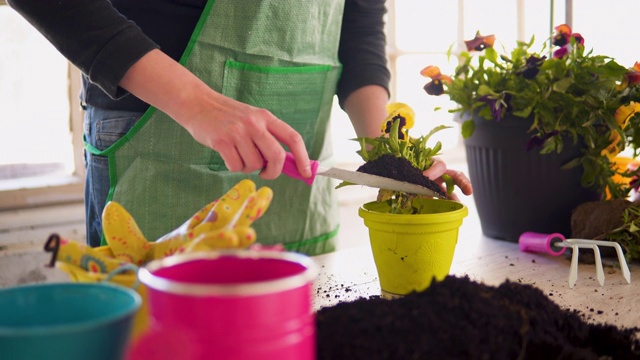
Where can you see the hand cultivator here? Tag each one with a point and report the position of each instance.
(555, 244)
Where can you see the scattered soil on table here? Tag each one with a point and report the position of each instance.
(461, 319)
(339, 290)
(399, 168)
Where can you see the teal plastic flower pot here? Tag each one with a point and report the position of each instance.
(66, 321)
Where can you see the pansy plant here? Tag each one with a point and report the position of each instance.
(394, 140)
(568, 93)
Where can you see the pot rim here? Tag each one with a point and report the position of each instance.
(438, 217)
(148, 278)
(103, 289)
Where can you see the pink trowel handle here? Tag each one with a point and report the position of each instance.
(291, 170)
(541, 243)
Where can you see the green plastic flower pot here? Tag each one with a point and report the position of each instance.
(411, 250)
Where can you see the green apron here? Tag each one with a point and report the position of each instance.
(274, 54)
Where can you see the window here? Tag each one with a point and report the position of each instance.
(420, 33)
(41, 121)
(40, 141)
(608, 29)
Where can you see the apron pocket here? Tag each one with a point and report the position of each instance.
(293, 94)
(296, 95)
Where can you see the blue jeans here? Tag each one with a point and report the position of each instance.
(102, 128)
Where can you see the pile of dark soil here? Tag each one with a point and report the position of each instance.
(399, 168)
(461, 319)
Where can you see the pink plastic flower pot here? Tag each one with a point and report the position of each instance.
(229, 305)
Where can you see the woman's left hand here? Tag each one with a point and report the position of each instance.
(439, 168)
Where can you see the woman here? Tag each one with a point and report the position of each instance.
(184, 98)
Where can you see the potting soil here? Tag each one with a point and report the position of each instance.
(461, 319)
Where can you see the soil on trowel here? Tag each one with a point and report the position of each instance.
(401, 169)
(461, 319)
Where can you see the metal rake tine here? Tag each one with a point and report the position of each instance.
(573, 270)
(623, 263)
(599, 269)
(575, 245)
(573, 274)
(624, 267)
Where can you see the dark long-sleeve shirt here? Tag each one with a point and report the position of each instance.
(105, 38)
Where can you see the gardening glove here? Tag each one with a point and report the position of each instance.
(228, 224)
(218, 239)
(234, 229)
(173, 241)
(82, 256)
(122, 234)
(126, 241)
(224, 223)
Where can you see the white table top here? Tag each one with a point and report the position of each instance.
(350, 273)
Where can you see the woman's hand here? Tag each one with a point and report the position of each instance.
(247, 138)
(439, 168)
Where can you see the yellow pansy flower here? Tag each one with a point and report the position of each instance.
(622, 116)
(404, 113)
(625, 112)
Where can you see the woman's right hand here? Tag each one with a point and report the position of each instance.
(247, 138)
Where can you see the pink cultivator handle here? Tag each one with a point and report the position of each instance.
(541, 243)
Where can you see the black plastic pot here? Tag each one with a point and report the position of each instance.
(516, 190)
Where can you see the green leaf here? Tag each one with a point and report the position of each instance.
(468, 127)
(448, 180)
(363, 149)
(562, 85)
(491, 54)
(486, 90)
(343, 184)
(425, 138)
(524, 113)
(393, 138)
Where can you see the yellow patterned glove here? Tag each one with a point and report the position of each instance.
(218, 239)
(173, 241)
(122, 234)
(228, 209)
(222, 224)
(233, 229)
(82, 256)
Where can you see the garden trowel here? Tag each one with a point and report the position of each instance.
(356, 177)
